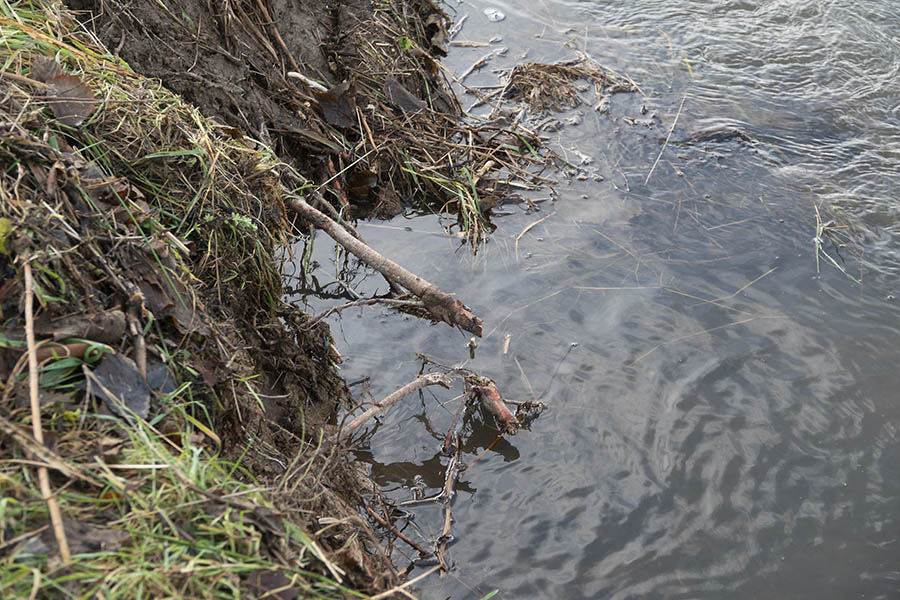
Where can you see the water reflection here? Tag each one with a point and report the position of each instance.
(727, 425)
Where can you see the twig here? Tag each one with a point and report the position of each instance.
(361, 302)
(454, 467)
(666, 143)
(44, 454)
(449, 489)
(271, 22)
(454, 30)
(476, 65)
(315, 85)
(402, 587)
(413, 386)
(441, 305)
(529, 228)
(387, 525)
(44, 477)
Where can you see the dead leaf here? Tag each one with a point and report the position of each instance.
(44, 69)
(339, 104)
(69, 98)
(164, 294)
(120, 385)
(160, 378)
(436, 32)
(207, 369)
(83, 538)
(401, 97)
(107, 327)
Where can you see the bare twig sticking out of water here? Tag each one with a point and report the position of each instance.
(415, 385)
(666, 143)
(556, 372)
(529, 228)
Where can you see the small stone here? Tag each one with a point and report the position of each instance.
(493, 15)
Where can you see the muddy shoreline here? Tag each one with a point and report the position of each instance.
(163, 262)
(159, 158)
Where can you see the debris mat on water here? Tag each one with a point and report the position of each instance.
(553, 86)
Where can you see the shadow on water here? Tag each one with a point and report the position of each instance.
(727, 424)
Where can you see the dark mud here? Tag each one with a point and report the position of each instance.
(233, 64)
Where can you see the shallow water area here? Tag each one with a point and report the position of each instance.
(727, 424)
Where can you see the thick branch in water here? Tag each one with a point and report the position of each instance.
(486, 391)
(441, 305)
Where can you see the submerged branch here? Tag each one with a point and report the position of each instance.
(441, 305)
(413, 386)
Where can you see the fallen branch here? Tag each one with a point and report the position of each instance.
(441, 305)
(413, 386)
(43, 475)
(486, 391)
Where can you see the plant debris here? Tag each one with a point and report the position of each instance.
(553, 86)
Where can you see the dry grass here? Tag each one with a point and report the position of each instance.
(554, 86)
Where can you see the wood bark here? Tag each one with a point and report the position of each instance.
(486, 391)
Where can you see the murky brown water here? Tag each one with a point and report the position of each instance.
(728, 425)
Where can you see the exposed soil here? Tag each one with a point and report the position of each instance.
(232, 64)
(217, 61)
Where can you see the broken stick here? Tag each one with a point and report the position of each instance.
(441, 305)
(413, 386)
(486, 391)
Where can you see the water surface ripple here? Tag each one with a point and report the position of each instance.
(728, 425)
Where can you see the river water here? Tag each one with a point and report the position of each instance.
(723, 412)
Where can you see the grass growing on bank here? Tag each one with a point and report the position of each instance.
(149, 230)
(161, 520)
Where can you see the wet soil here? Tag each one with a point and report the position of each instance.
(235, 63)
(226, 64)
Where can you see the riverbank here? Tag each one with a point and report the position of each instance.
(167, 418)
